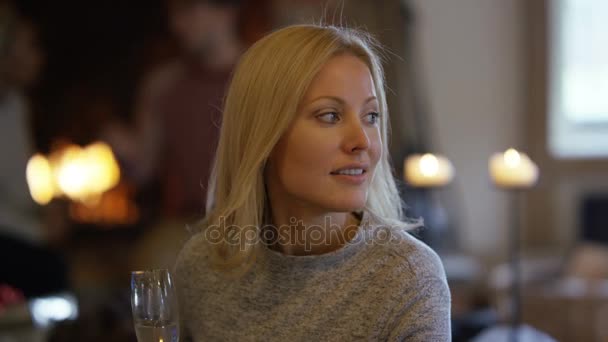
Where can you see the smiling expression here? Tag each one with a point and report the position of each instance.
(326, 159)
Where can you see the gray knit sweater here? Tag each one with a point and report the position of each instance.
(382, 285)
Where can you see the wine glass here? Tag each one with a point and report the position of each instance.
(154, 306)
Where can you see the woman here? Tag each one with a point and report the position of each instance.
(302, 238)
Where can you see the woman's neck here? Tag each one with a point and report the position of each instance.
(300, 233)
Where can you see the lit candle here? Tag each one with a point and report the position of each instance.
(513, 169)
(82, 174)
(39, 176)
(428, 170)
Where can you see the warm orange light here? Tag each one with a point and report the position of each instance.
(39, 178)
(81, 174)
(428, 170)
(103, 169)
(513, 169)
(113, 207)
(71, 174)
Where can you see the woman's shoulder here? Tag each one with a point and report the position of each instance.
(193, 256)
(413, 256)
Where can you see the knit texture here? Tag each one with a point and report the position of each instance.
(382, 285)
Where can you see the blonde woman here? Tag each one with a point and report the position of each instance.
(303, 239)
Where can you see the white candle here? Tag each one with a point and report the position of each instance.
(513, 169)
(428, 170)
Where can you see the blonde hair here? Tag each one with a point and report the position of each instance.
(269, 82)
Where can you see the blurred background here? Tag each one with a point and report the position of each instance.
(109, 115)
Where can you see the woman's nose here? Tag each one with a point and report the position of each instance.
(356, 138)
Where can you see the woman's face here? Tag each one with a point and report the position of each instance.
(326, 159)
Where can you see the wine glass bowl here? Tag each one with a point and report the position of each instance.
(154, 306)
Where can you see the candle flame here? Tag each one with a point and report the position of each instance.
(513, 170)
(427, 170)
(512, 158)
(40, 179)
(429, 165)
(82, 174)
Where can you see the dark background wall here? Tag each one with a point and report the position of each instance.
(96, 52)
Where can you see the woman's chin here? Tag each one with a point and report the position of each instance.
(351, 206)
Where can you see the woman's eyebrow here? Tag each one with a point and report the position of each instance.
(340, 100)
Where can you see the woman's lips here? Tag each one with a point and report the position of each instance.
(351, 178)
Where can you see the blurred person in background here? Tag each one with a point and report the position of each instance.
(25, 262)
(177, 118)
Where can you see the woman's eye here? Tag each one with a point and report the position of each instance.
(373, 117)
(329, 117)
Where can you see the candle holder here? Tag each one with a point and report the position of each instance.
(426, 173)
(514, 172)
(514, 260)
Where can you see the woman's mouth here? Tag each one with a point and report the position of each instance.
(355, 176)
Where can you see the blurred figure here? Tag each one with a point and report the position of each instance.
(25, 263)
(20, 61)
(177, 116)
(178, 110)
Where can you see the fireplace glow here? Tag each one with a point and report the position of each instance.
(81, 174)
